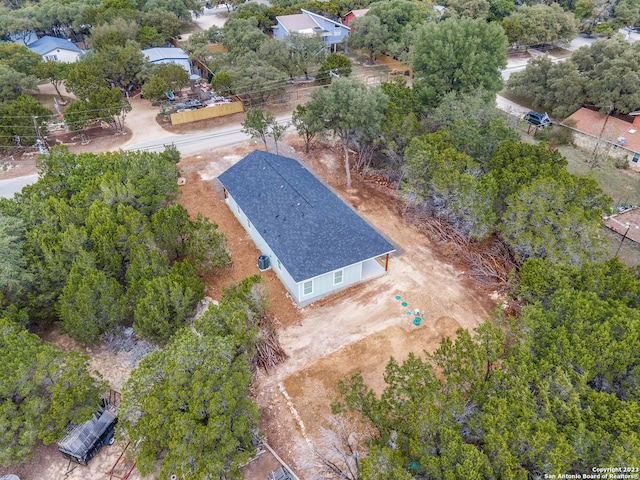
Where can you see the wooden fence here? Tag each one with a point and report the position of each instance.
(204, 113)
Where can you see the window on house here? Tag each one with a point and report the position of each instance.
(636, 158)
(307, 287)
(51, 57)
(337, 277)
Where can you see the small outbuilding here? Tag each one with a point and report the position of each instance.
(56, 49)
(168, 55)
(314, 242)
(353, 14)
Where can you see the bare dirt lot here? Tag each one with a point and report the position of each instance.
(355, 330)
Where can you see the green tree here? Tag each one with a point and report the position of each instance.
(557, 218)
(477, 127)
(336, 65)
(19, 57)
(475, 9)
(241, 36)
(150, 37)
(401, 120)
(166, 23)
(14, 83)
(458, 55)
(54, 72)
(626, 13)
(256, 124)
(306, 126)
(347, 107)
(205, 246)
(306, 52)
(543, 24)
(90, 303)
(189, 406)
(369, 33)
(18, 120)
(164, 306)
(166, 77)
(558, 88)
(41, 391)
(254, 77)
(445, 183)
(397, 14)
(15, 277)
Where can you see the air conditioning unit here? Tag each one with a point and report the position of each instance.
(622, 140)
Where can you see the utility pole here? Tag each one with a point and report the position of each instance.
(628, 225)
(594, 156)
(40, 144)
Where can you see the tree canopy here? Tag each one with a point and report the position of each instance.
(604, 75)
(42, 389)
(542, 394)
(108, 247)
(458, 55)
(198, 418)
(347, 107)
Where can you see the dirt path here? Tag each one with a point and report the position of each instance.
(141, 121)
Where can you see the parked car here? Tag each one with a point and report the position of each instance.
(539, 119)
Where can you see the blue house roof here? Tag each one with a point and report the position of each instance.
(307, 226)
(46, 44)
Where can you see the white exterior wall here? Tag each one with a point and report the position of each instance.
(324, 285)
(63, 56)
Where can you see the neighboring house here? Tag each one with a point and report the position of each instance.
(57, 49)
(168, 55)
(348, 18)
(315, 243)
(605, 133)
(309, 23)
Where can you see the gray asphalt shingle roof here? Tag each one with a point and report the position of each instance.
(307, 226)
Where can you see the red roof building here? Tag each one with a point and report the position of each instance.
(354, 14)
(617, 137)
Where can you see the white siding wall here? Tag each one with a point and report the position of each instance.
(324, 285)
(64, 56)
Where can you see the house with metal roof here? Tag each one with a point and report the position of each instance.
(168, 55)
(314, 242)
(309, 23)
(56, 49)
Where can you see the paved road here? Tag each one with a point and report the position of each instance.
(12, 186)
(199, 142)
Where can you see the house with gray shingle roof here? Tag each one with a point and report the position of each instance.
(315, 243)
(56, 49)
(309, 23)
